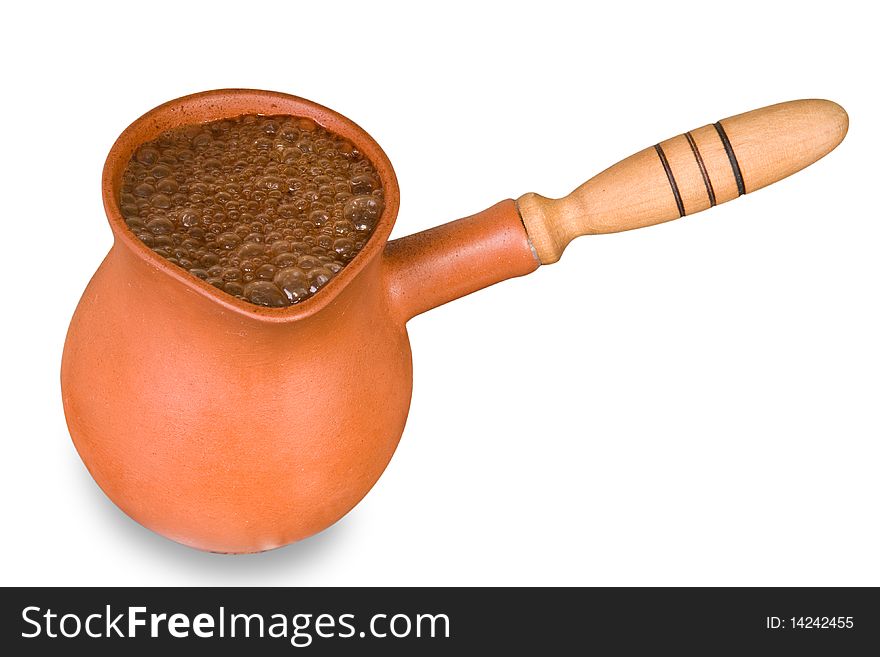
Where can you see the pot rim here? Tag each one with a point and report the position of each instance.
(219, 104)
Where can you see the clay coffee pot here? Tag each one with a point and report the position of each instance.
(231, 427)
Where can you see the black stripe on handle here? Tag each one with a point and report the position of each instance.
(671, 178)
(699, 158)
(740, 185)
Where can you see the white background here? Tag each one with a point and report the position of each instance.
(690, 404)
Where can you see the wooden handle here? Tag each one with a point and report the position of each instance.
(688, 173)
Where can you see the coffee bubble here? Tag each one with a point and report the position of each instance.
(264, 208)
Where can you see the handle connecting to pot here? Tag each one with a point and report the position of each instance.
(687, 174)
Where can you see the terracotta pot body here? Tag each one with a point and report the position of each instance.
(234, 428)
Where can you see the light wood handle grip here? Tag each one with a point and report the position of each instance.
(687, 174)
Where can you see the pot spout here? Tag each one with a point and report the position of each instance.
(428, 269)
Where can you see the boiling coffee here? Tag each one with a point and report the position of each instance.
(265, 208)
